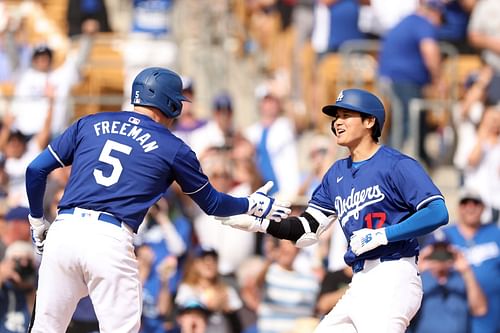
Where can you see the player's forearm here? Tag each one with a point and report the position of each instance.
(36, 181)
(217, 203)
(422, 222)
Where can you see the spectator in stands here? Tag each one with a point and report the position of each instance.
(481, 91)
(203, 288)
(335, 25)
(188, 121)
(17, 226)
(333, 287)
(31, 102)
(161, 252)
(379, 16)
(480, 243)
(452, 294)
(483, 32)
(87, 16)
(217, 132)
(410, 60)
(214, 235)
(17, 287)
(483, 161)
(303, 24)
(455, 21)
(319, 158)
(276, 147)
(15, 52)
(84, 319)
(20, 150)
(246, 276)
(276, 314)
(149, 41)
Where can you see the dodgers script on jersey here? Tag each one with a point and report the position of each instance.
(376, 194)
(118, 158)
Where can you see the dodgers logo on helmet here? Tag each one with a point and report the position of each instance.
(160, 88)
(340, 96)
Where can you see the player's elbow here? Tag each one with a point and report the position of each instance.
(33, 172)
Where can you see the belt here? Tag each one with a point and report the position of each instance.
(358, 266)
(102, 216)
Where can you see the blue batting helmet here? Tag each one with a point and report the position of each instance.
(160, 88)
(360, 101)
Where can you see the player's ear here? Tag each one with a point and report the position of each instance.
(370, 122)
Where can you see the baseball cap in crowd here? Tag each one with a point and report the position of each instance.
(187, 84)
(471, 194)
(441, 246)
(223, 101)
(17, 214)
(438, 5)
(201, 252)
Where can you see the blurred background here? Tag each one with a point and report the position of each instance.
(258, 73)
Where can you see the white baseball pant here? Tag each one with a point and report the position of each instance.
(87, 256)
(383, 297)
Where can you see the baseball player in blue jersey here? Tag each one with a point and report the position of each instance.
(383, 201)
(122, 163)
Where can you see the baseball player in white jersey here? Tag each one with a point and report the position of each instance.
(383, 201)
(122, 163)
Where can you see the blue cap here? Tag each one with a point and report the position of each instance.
(223, 101)
(200, 252)
(438, 237)
(438, 5)
(17, 213)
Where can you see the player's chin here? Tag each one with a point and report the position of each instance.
(342, 140)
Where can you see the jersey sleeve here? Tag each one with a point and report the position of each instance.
(322, 197)
(414, 185)
(426, 31)
(63, 146)
(187, 171)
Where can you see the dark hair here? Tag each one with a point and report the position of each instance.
(375, 128)
(42, 50)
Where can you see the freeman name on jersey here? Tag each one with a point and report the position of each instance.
(126, 129)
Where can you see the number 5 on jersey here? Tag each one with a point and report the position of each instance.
(115, 162)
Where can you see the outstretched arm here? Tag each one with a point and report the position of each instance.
(304, 230)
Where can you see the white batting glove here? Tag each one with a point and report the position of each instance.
(245, 223)
(39, 227)
(364, 240)
(262, 206)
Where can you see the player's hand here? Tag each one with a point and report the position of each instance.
(364, 240)
(245, 223)
(262, 206)
(39, 227)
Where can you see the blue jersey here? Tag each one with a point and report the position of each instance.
(483, 254)
(122, 163)
(400, 57)
(385, 190)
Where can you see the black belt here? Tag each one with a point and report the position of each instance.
(102, 216)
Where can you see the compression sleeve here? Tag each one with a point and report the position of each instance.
(422, 222)
(291, 228)
(36, 180)
(213, 202)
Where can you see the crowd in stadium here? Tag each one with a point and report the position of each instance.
(257, 73)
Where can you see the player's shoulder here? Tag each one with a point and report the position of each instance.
(389, 153)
